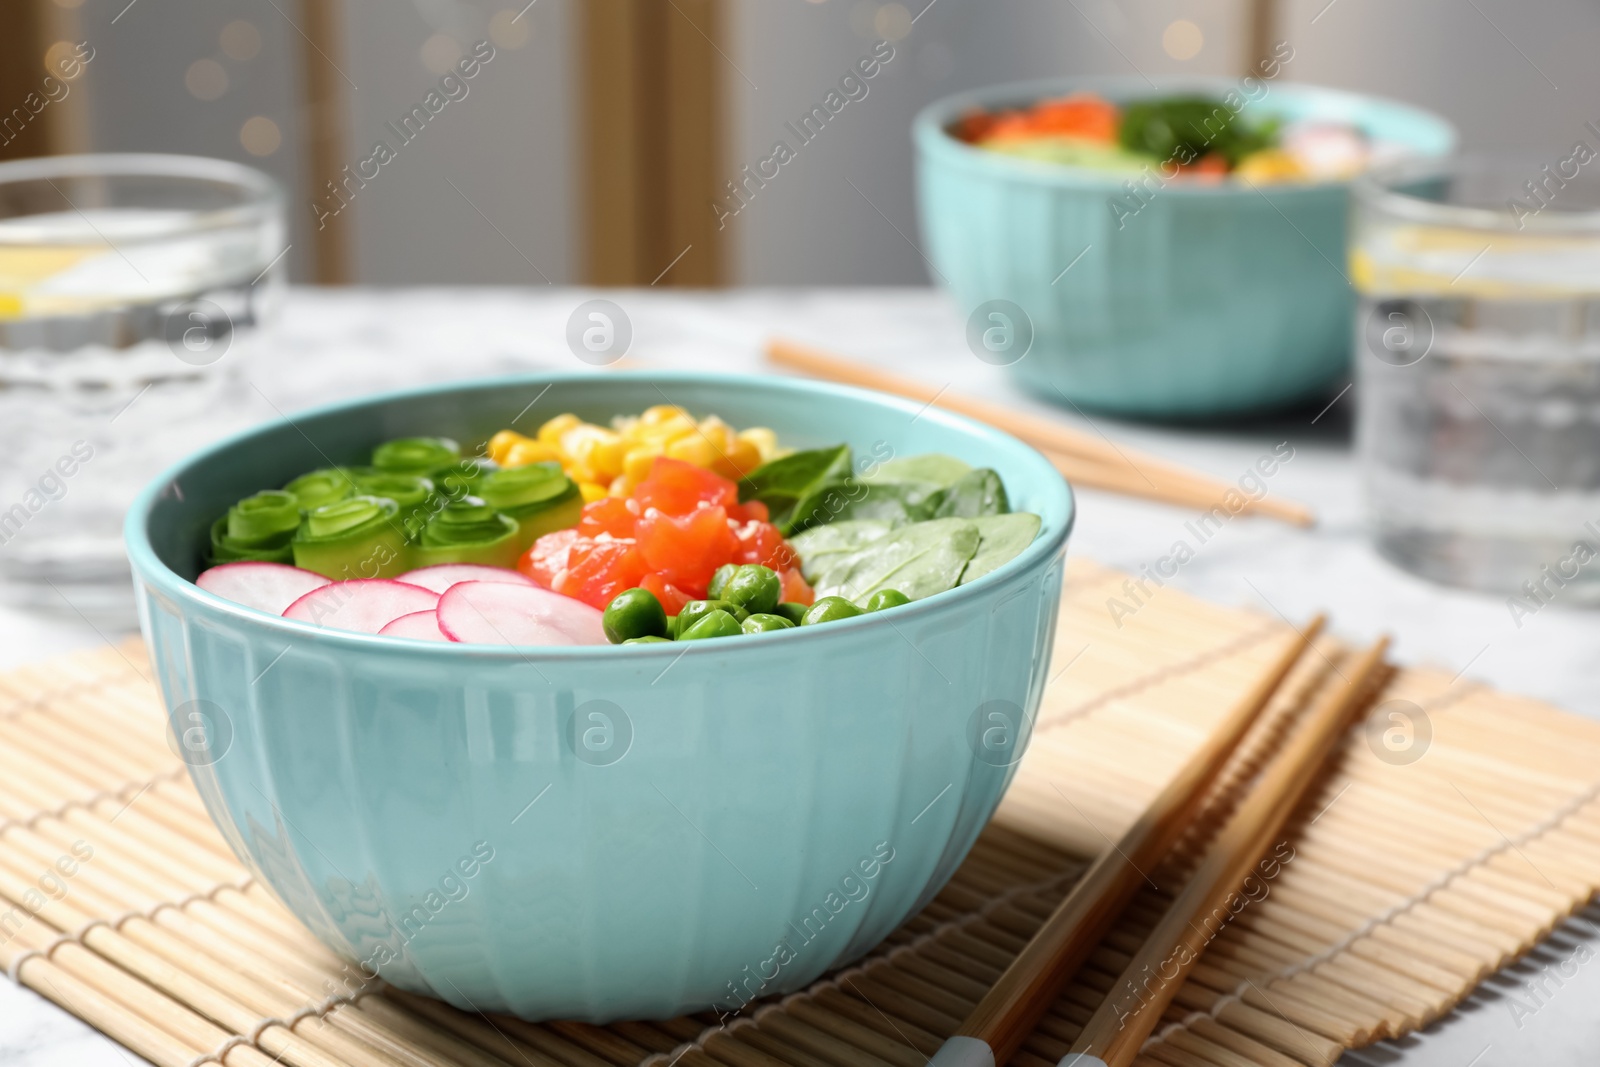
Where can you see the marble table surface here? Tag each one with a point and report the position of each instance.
(334, 343)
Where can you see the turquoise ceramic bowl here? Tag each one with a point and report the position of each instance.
(1204, 300)
(601, 832)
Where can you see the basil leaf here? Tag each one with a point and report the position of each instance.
(918, 560)
(784, 482)
(978, 492)
(1003, 537)
(795, 475)
(820, 545)
(933, 467)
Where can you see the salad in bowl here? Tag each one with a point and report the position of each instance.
(660, 527)
(1190, 135)
(605, 695)
(1171, 250)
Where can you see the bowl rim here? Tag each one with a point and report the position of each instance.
(1377, 190)
(262, 195)
(933, 140)
(149, 567)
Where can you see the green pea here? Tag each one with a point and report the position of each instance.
(690, 614)
(719, 580)
(714, 623)
(647, 641)
(695, 610)
(761, 622)
(886, 598)
(633, 613)
(755, 588)
(829, 609)
(795, 613)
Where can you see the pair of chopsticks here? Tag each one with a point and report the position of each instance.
(1113, 1036)
(1081, 458)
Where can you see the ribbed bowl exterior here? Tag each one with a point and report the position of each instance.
(1183, 300)
(603, 833)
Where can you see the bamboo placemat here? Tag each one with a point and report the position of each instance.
(1399, 887)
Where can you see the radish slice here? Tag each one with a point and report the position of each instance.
(365, 605)
(419, 626)
(495, 613)
(269, 587)
(443, 575)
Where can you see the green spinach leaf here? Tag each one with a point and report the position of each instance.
(975, 493)
(933, 467)
(918, 560)
(1187, 127)
(1002, 539)
(821, 545)
(852, 499)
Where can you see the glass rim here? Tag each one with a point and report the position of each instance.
(262, 193)
(1374, 189)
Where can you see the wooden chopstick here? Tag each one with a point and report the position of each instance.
(1095, 475)
(1117, 1030)
(1013, 1006)
(1098, 462)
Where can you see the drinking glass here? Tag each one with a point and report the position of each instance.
(1478, 369)
(132, 288)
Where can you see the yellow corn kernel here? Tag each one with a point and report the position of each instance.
(620, 486)
(668, 430)
(550, 433)
(581, 441)
(1271, 165)
(740, 460)
(765, 440)
(525, 452)
(662, 413)
(591, 491)
(607, 457)
(501, 443)
(674, 430)
(719, 433)
(636, 463)
(693, 449)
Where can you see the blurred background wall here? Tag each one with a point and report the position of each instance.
(592, 122)
(483, 194)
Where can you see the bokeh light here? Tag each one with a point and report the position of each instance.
(205, 79)
(260, 136)
(508, 31)
(1182, 39)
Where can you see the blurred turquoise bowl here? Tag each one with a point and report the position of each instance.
(470, 823)
(1209, 299)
